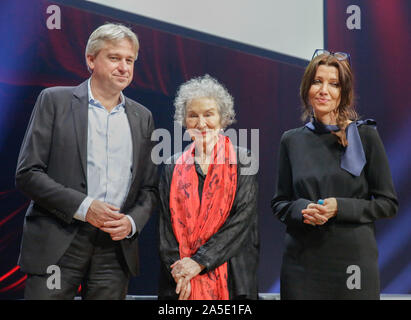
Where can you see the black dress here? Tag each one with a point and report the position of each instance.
(317, 259)
(237, 241)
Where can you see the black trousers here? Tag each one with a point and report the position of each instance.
(93, 260)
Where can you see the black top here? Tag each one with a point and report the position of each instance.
(317, 259)
(237, 241)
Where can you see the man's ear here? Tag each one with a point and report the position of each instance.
(90, 61)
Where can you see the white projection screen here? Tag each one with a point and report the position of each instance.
(292, 27)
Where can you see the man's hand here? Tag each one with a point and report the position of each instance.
(107, 218)
(100, 212)
(118, 229)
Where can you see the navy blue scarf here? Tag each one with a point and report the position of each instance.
(353, 158)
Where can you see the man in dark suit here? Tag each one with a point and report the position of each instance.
(86, 164)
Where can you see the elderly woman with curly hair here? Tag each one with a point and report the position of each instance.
(209, 244)
(334, 182)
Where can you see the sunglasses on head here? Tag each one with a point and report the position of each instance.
(338, 55)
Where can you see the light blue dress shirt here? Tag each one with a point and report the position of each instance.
(109, 156)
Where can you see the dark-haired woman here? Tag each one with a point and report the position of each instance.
(333, 183)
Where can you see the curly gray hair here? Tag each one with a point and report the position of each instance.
(204, 87)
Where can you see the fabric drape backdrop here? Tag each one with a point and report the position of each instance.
(266, 98)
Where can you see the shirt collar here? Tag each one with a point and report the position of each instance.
(97, 103)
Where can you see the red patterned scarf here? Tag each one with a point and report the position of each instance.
(194, 222)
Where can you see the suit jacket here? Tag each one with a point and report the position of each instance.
(52, 171)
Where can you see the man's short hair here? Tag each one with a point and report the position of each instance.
(109, 32)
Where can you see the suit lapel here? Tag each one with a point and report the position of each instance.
(79, 107)
(134, 121)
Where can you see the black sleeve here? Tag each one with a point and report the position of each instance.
(32, 165)
(284, 205)
(229, 239)
(383, 201)
(168, 245)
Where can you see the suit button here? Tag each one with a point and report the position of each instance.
(83, 185)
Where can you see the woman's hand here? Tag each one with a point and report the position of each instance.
(183, 288)
(183, 271)
(318, 214)
(185, 267)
